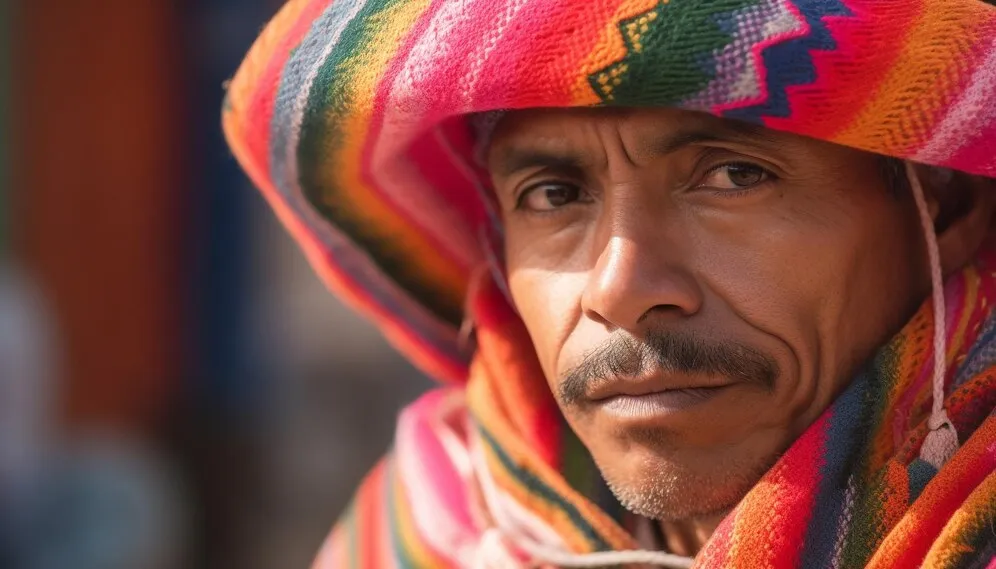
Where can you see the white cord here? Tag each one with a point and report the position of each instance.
(942, 440)
(604, 558)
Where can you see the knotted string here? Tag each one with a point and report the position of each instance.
(942, 440)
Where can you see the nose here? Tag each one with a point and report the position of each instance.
(635, 277)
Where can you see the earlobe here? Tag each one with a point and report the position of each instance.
(962, 207)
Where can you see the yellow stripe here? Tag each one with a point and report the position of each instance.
(609, 49)
(973, 515)
(344, 172)
(416, 550)
(481, 400)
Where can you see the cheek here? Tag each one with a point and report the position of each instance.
(549, 304)
(831, 281)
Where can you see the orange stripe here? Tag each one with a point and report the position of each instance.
(345, 171)
(926, 75)
(910, 359)
(415, 547)
(543, 509)
(395, 331)
(609, 49)
(923, 522)
(975, 514)
(481, 398)
(370, 510)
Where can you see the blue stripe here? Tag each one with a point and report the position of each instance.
(981, 356)
(789, 62)
(300, 64)
(345, 253)
(846, 434)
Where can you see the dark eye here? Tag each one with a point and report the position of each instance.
(735, 176)
(548, 197)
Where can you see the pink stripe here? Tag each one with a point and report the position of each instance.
(797, 477)
(418, 91)
(428, 181)
(520, 74)
(966, 135)
(979, 155)
(446, 483)
(370, 165)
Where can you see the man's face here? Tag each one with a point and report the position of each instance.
(698, 291)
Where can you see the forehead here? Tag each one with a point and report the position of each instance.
(645, 130)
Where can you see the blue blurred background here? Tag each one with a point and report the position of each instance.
(177, 390)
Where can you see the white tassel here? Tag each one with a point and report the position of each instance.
(941, 442)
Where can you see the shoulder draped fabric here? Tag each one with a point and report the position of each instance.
(352, 117)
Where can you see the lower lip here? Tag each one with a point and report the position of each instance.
(659, 403)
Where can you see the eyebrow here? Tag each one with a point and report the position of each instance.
(516, 159)
(733, 131)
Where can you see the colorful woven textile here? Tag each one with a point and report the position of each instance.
(851, 492)
(352, 117)
(347, 114)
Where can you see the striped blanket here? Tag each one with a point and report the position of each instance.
(352, 118)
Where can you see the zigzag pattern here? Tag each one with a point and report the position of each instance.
(793, 61)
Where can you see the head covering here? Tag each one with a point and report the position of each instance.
(350, 115)
(361, 122)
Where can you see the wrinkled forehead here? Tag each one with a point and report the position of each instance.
(504, 138)
(498, 132)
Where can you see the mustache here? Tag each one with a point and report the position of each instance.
(668, 352)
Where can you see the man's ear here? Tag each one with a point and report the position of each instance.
(962, 207)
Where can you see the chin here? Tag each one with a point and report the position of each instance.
(669, 489)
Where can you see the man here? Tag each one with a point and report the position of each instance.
(682, 266)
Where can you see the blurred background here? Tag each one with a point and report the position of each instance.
(177, 389)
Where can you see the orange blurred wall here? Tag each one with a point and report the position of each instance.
(97, 218)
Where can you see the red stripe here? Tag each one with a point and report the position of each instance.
(869, 36)
(913, 536)
(521, 73)
(376, 125)
(771, 526)
(259, 114)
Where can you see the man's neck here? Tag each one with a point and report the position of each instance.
(687, 537)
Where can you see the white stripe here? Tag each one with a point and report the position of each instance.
(301, 101)
(441, 531)
(496, 31)
(351, 259)
(514, 520)
(973, 110)
(400, 180)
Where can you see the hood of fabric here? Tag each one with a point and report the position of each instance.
(351, 116)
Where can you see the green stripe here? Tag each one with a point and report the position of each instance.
(980, 542)
(581, 472)
(669, 53)
(331, 99)
(867, 527)
(401, 554)
(538, 488)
